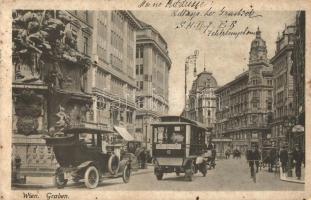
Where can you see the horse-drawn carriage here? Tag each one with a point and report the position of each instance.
(81, 157)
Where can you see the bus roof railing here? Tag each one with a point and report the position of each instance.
(178, 120)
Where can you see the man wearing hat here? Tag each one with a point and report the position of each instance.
(283, 158)
(298, 159)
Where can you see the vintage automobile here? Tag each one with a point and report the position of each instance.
(81, 157)
(178, 145)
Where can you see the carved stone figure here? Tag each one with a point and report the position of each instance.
(38, 38)
(28, 108)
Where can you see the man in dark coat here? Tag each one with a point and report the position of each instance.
(298, 159)
(272, 159)
(253, 157)
(284, 158)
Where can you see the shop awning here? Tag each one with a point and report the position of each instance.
(124, 133)
(298, 129)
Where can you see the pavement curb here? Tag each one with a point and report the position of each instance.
(283, 177)
(32, 186)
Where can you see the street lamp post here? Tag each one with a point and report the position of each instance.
(189, 59)
(146, 131)
(288, 124)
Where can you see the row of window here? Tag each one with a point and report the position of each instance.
(116, 86)
(117, 19)
(84, 15)
(116, 41)
(241, 136)
(280, 81)
(116, 62)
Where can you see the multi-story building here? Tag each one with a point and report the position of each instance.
(298, 73)
(112, 76)
(244, 104)
(202, 100)
(283, 108)
(152, 72)
(50, 82)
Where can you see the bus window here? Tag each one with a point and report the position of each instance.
(171, 134)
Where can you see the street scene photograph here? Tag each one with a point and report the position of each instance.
(158, 100)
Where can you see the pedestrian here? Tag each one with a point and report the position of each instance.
(272, 159)
(227, 153)
(253, 157)
(298, 159)
(284, 158)
(143, 159)
(210, 145)
(214, 157)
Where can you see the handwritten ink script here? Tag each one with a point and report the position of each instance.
(204, 17)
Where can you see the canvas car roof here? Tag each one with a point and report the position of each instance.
(78, 130)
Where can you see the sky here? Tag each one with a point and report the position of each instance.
(225, 58)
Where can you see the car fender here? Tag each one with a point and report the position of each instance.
(85, 164)
(123, 163)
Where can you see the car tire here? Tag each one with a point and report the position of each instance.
(59, 179)
(177, 173)
(113, 164)
(126, 175)
(91, 177)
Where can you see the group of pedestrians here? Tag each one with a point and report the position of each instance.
(253, 157)
(298, 158)
(235, 153)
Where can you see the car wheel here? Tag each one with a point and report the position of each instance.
(126, 174)
(59, 179)
(177, 173)
(91, 177)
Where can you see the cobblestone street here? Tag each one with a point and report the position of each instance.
(229, 175)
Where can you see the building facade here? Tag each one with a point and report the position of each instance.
(152, 74)
(298, 72)
(283, 107)
(244, 105)
(202, 100)
(49, 82)
(112, 76)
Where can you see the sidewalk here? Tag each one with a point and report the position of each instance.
(284, 177)
(48, 181)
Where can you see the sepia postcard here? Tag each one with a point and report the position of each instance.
(154, 99)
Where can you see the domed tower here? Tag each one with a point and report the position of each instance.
(202, 99)
(258, 52)
(258, 60)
